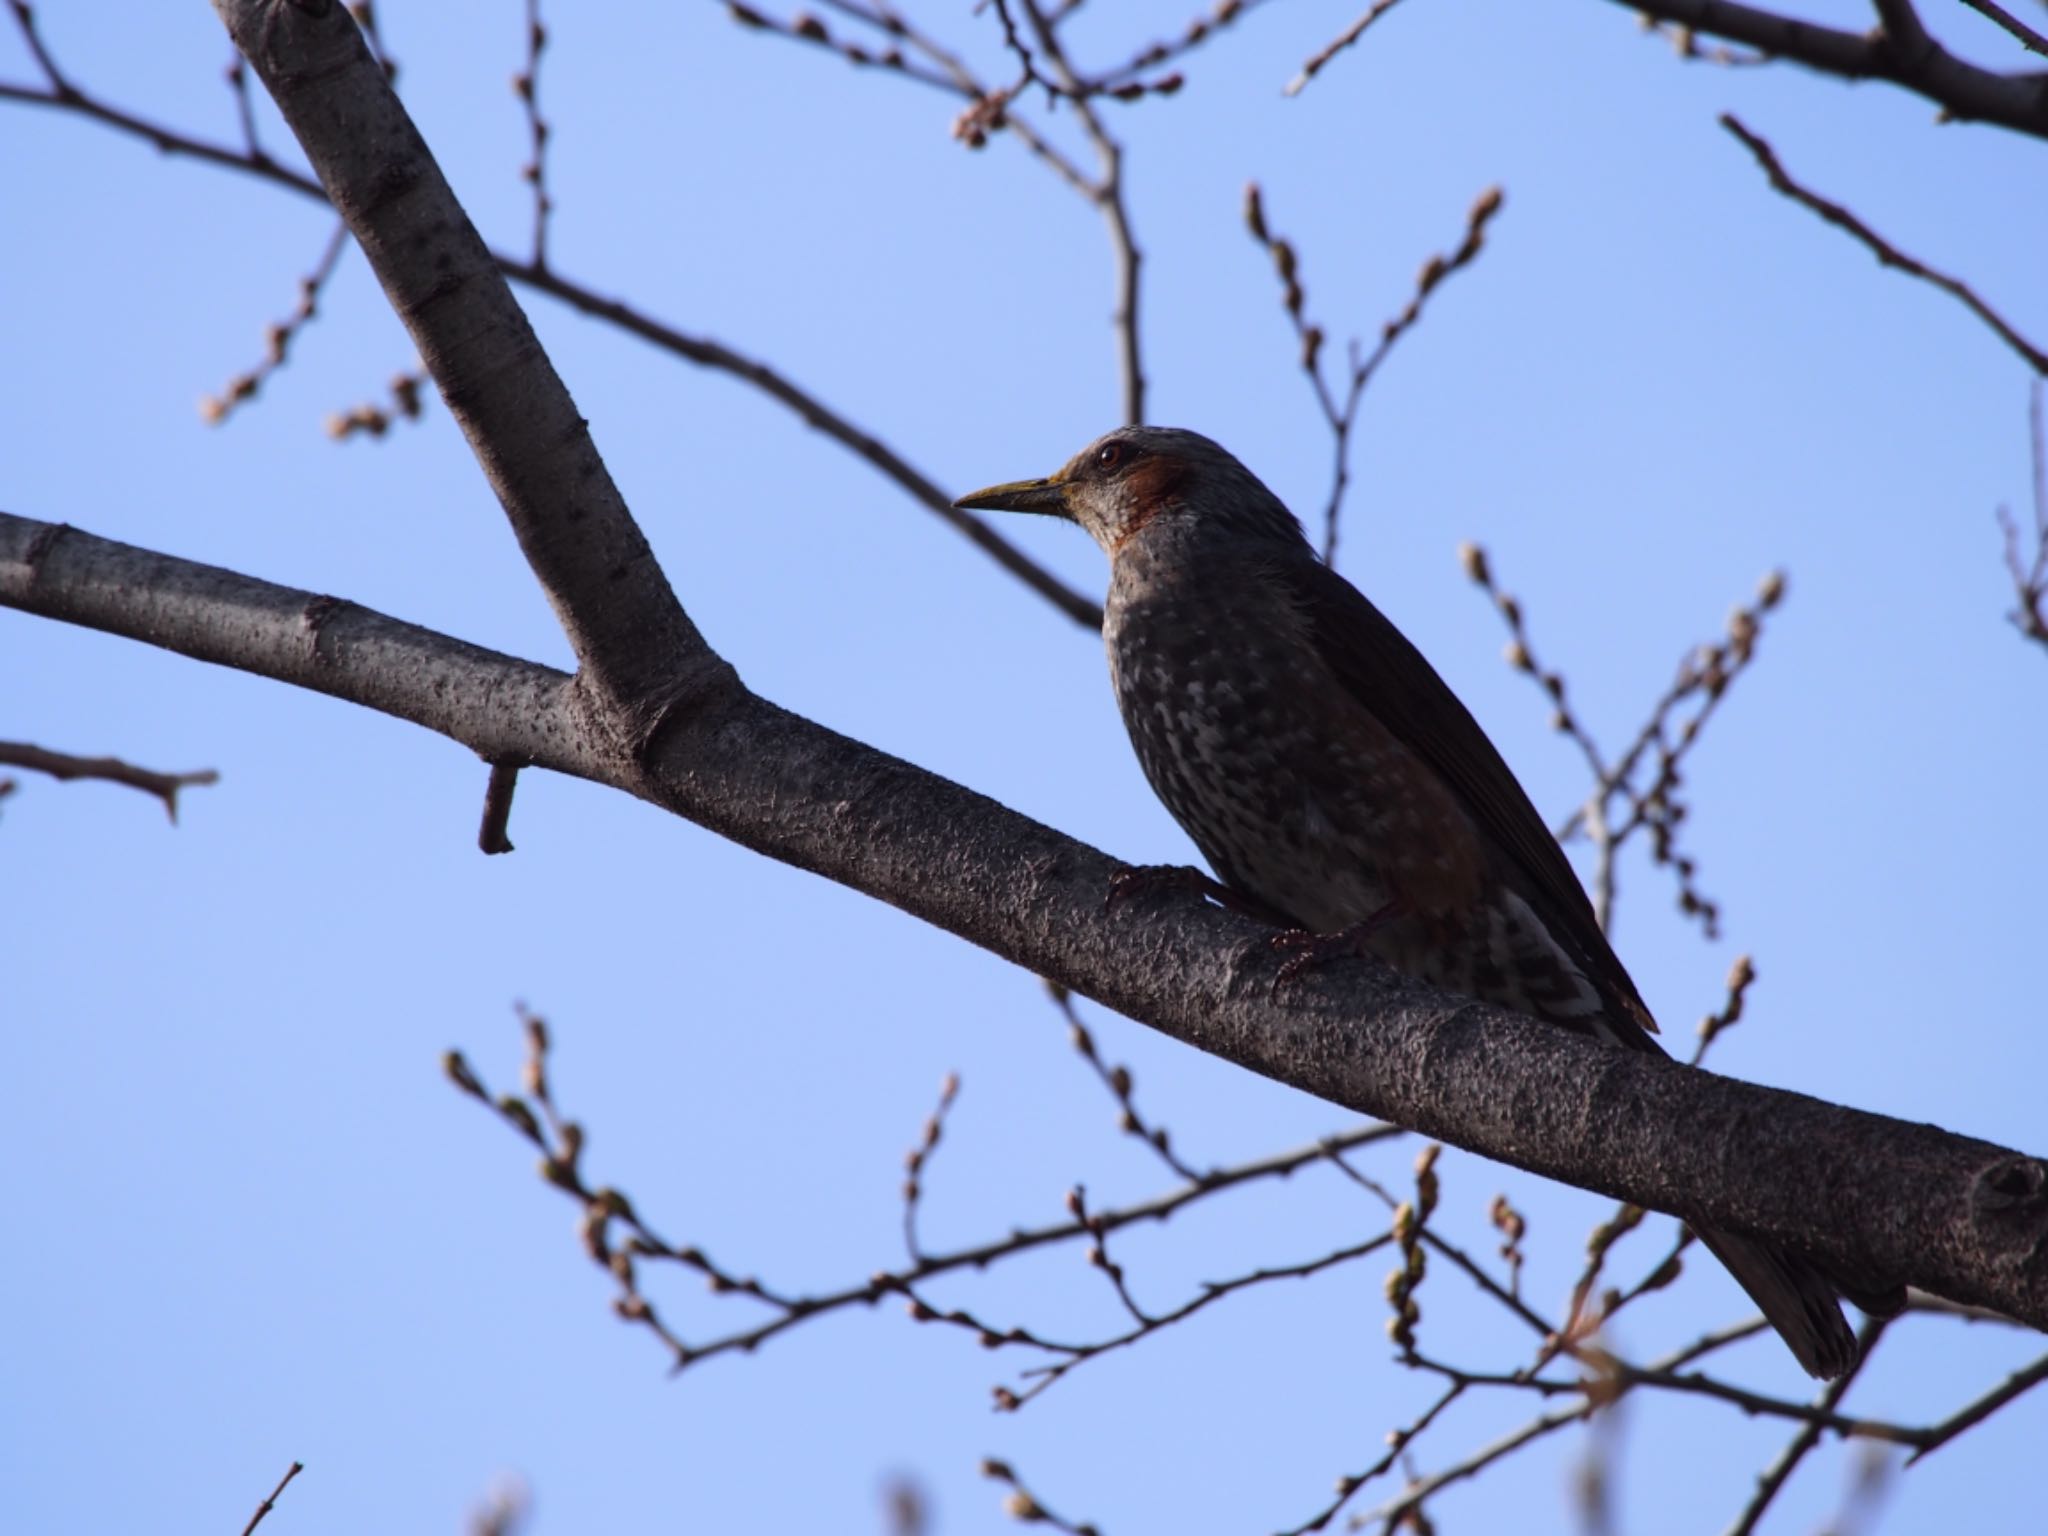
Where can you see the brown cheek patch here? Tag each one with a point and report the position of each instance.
(1153, 485)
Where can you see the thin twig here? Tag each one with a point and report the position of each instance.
(1043, 1377)
(1343, 40)
(1109, 197)
(1412, 1498)
(1774, 1476)
(1398, 1441)
(1968, 1417)
(526, 86)
(278, 337)
(1119, 1081)
(2030, 576)
(245, 114)
(1887, 253)
(914, 1164)
(1204, 27)
(1741, 977)
(1342, 418)
(561, 1141)
(2029, 39)
(270, 1503)
(1022, 1505)
(63, 767)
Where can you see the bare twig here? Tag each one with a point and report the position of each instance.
(493, 836)
(914, 1163)
(1022, 1505)
(1351, 34)
(1999, 16)
(1043, 1377)
(1099, 1259)
(1108, 194)
(1774, 1476)
(1342, 416)
(809, 29)
(536, 1120)
(1741, 976)
(408, 403)
(1120, 1082)
(270, 1503)
(1205, 26)
(278, 338)
(526, 86)
(1935, 1436)
(1665, 739)
(1398, 1442)
(245, 114)
(63, 766)
(2030, 573)
(1887, 253)
(1420, 1490)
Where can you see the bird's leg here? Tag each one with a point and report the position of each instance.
(1145, 879)
(1305, 949)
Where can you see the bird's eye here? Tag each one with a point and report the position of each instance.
(1109, 455)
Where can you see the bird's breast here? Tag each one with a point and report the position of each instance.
(1219, 701)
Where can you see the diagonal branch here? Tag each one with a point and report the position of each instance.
(633, 642)
(1959, 1217)
(1999, 16)
(1887, 253)
(1899, 51)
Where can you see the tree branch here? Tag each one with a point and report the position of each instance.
(632, 640)
(1962, 1218)
(1899, 51)
(63, 766)
(1887, 254)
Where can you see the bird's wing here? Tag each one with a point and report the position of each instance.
(1387, 675)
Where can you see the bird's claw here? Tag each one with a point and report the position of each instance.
(1312, 949)
(1304, 949)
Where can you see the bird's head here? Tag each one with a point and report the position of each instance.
(1139, 478)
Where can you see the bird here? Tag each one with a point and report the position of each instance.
(1334, 782)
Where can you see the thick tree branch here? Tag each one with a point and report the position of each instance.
(499, 706)
(1899, 51)
(632, 639)
(1959, 1217)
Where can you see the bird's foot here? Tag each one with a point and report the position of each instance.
(1304, 949)
(1149, 879)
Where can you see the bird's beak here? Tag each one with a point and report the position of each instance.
(1048, 495)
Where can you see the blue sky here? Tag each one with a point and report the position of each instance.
(253, 1223)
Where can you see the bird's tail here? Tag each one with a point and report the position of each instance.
(1797, 1299)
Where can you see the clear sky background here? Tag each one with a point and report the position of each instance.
(250, 1222)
